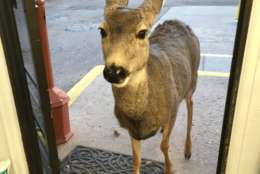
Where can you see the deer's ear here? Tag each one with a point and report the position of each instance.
(151, 8)
(111, 4)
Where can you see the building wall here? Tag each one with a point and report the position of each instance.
(11, 146)
(244, 153)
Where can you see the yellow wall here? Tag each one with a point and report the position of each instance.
(11, 146)
(244, 153)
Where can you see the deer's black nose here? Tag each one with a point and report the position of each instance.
(114, 74)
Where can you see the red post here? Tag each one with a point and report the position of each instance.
(58, 98)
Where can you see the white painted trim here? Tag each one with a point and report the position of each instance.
(244, 151)
(11, 145)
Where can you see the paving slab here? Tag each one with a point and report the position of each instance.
(93, 124)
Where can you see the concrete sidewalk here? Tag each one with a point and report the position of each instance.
(93, 124)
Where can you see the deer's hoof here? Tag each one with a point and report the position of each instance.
(187, 156)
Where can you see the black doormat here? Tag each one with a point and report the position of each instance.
(85, 160)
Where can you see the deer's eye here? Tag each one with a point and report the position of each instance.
(141, 34)
(103, 32)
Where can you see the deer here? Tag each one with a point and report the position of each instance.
(151, 73)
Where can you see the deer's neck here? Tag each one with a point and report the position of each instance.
(132, 99)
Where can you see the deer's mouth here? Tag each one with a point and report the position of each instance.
(122, 83)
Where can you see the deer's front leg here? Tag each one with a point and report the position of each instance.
(136, 148)
(165, 145)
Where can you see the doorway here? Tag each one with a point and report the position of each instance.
(210, 96)
(215, 24)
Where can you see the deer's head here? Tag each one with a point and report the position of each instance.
(125, 43)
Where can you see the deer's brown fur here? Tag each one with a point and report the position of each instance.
(162, 72)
